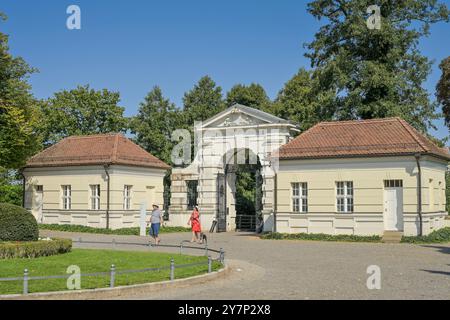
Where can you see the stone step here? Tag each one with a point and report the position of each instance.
(392, 236)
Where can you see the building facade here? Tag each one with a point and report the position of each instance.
(230, 138)
(361, 178)
(98, 181)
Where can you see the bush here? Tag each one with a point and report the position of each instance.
(34, 249)
(320, 237)
(17, 224)
(123, 232)
(438, 236)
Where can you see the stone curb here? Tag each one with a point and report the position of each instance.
(109, 293)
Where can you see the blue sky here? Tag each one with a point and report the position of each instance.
(130, 46)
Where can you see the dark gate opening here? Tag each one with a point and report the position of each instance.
(221, 203)
(248, 196)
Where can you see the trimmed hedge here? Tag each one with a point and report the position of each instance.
(17, 224)
(34, 249)
(320, 237)
(123, 231)
(438, 236)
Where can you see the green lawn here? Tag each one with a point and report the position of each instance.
(123, 231)
(96, 261)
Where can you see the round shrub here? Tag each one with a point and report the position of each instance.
(17, 224)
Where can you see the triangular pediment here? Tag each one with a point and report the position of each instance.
(241, 116)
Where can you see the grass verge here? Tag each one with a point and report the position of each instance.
(123, 231)
(91, 261)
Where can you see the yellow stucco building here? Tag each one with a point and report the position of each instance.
(98, 181)
(363, 178)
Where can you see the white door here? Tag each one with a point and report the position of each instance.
(393, 209)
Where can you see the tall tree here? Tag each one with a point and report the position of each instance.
(203, 101)
(157, 118)
(443, 89)
(253, 96)
(82, 111)
(374, 72)
(447, 191)
(299, 102)
(18, 115)
(10, 187)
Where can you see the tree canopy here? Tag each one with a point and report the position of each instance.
(18, 115)
(253, 96)
(298, 102)
(157, 118)
(203, 101)
(443, 89)
(81, 111)
(374, 73)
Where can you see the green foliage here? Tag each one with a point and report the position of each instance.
(17, 224)
(34, 249)
(438, 236)
(157, 118)
(18, 115)
(320, 237)
(248, 188)
(10, 188)
(253, 96)
(123, 231)
(447, 190)
(93, 261)
(364, 73)
(202, 102)
(443, 89)
(81, 111)
(298, 102)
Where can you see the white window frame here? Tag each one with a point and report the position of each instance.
(299, 194)
(94, 196)
(66, 197)
(127, 195)
(346, 196)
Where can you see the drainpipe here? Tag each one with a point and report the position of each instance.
(23, 188)
(419, 193)
(275, 201)
(106, 167)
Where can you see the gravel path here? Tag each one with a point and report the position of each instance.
(278, 269)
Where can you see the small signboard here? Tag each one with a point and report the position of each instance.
(143, 218)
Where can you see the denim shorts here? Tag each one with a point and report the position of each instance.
(154, 229)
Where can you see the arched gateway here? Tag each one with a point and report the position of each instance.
(238, 135)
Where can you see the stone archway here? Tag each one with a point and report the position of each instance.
(228, 133)
(244, 214)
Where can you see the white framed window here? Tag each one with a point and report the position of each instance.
(95, 197)
(300, 197)
(127, 197)
(344, 196)
(66, 197)
(393, 183)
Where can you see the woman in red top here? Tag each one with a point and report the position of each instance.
(194, 222)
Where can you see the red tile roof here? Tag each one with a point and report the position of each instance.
(377, 137)
(95, 150)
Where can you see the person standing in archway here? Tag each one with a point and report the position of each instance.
(194, 222)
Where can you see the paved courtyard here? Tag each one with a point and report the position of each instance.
(274, 269)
